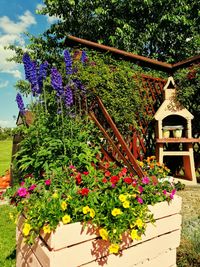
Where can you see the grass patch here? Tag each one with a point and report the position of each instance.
(5, 155)
(7, 237)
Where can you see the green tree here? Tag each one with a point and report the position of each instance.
(167, 30)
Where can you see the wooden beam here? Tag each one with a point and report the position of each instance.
(158, 64)
(164, 66)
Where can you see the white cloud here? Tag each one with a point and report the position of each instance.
(7, 123)
(11, 33)
(10, 27)
(4, 84)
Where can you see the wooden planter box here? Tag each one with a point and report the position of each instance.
(71, 246)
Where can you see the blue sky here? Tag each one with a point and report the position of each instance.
(16, 17)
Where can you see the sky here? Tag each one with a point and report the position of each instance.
(16, 18)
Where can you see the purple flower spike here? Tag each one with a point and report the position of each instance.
(83, 57)
(56, 81)
(20, 103)
(68, 62)
(42, 75)
(68, 96)
(34, 78)
(79, 85)
(27, 66)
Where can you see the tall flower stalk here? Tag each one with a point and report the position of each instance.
(68, 62)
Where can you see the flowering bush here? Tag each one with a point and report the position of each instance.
(153, 168)
(113, 200)
(60, 178)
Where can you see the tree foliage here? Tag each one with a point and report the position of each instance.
(167, 30)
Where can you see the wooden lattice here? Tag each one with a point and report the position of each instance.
(142, 143)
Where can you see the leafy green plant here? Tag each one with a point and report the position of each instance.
(114, 201)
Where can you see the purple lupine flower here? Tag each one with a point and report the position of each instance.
(22, 192)
(145, 180)
(56, 81)
(68, 96)
(20, 103)
(42, 75)
(78, 85)
(34, 78)
(68, 62)
(83, 57)
(27, 66)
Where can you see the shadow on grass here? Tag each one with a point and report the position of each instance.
(12, 255)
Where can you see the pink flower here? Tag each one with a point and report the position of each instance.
(32, 187)
(22, 183)
(140, 200)
(22, 192)
(164, 191)
(48, 182)
(72, 167)
(145, 180)
(172, 194)
(141, 189)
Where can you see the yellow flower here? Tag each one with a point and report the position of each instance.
(139, 223)
(55, 195)
(26, 229)
(92, 213)
(114, 248)
(134, 235)
(66, 219)
(122, 197)
(116, 212)
(134, 195)
(69, 198)
(126, 204)
(11, 216)
(141, 163)
(63, 205)
(103, 233)
(46, 228)
(86, 209)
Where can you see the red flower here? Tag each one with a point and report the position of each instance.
(107, 173)
(85, 173)
(128, 180)
(114, 179)
(84, 191)
(78, 178)
(123, 172)
(104, 180)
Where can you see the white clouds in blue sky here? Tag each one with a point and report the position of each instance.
(16, 18)
(11, 33)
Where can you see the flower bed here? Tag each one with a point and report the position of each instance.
(72, 245)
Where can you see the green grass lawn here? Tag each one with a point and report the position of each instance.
(5, 155)
(7, 237)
